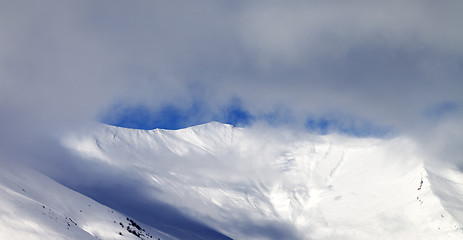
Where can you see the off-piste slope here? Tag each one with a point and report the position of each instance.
(253, 183)
(32, 206)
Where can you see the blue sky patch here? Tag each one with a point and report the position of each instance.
(440, 110)
(235, 115)
(173, 117)
(346, 125)
(143, 117)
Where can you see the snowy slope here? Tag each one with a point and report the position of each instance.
(259, 184)
(33, 206)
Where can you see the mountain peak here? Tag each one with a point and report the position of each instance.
(339, 187)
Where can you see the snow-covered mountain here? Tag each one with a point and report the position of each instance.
(216, 181)
(34, 206)
(251, 183)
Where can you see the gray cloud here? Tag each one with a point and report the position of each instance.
(63, 63)
(75, 58)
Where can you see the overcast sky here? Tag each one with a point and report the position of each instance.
(362, 68)
(394, 66)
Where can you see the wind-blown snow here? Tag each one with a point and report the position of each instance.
(257, 184)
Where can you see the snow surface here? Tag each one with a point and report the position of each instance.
(251, 183)
(33, 206)
(247, 183)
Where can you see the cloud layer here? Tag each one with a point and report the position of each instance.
(393, 63)
(357, 67)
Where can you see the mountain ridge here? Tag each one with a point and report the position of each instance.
(277, 178)
(217, 181)
(36, 207)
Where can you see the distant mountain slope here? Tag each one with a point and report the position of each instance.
(260, 184)
(33, 206)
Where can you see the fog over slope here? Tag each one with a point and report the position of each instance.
(251, 183)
